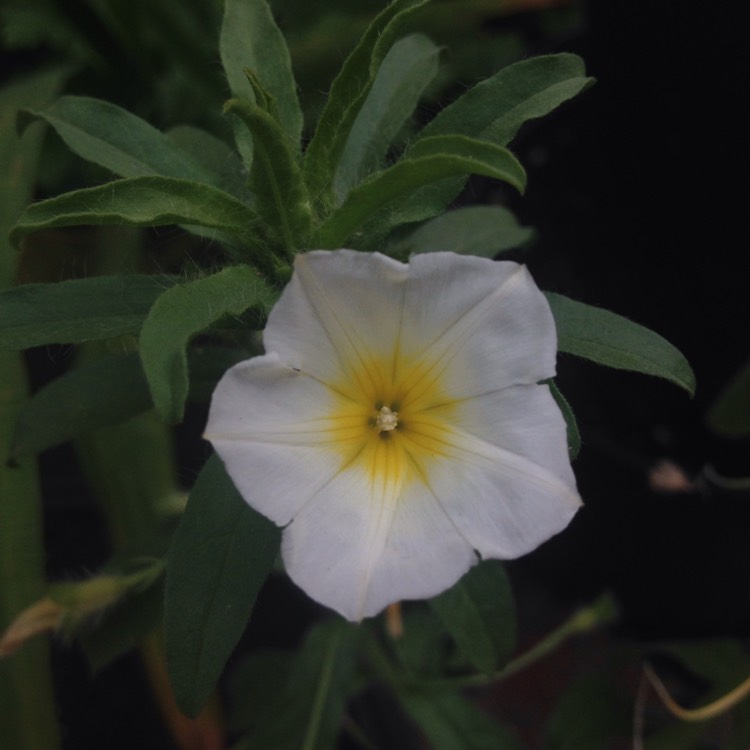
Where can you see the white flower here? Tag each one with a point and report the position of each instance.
(395, 427)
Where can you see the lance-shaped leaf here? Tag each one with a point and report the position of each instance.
(496, 108)
(221, 555)
(493, 110)
(609, 339)
(215, 156)
(103, 392)
(433, 160)
(306, 713)
(181, 313)
(77, 310)
(93, 395)
(479, 614)
(349, 90)
(451, 722)
(250, 39)
(118, 140)
(145, 202)
(405, 72)
(281, 195)
(476, 230)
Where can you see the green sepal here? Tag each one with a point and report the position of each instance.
(221, 555)
(181, 313)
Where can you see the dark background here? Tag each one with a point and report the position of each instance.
(639, 200)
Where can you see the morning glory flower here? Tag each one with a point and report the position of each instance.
(396, 427)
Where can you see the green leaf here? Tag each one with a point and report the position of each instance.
(118, 140)
(609, 339)
(423, 646)
(496, 108)
(306, 714)
(219, 160)
(96, 394)
(349, 90)
(479, 614)
(729, 415)
(450, 722)
(141, 201)
(281, 195)
(255, 689)
(77, 310)
(593, 713)
(182, 312)
(103, 392)
(222, 553)
(435, 159)
(475, 230)
(574, 436)
(407, 69)
(250, 39)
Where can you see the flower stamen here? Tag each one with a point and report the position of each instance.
(386, 419)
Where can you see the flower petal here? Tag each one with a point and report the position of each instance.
(271, 426)
(340, 313)
(479, 325)
(503, 476)
(523, 419)
(359, 545)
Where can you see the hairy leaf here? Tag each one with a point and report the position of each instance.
(141, 201)
(349, 90)
(77, 310)
(435, 159)
(250, 39)
(118, 140)
(182, 312)
(405, 72)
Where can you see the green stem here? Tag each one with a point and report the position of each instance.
(27, 704)
(602, 612)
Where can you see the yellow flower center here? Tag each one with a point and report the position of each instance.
(391, 420)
